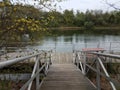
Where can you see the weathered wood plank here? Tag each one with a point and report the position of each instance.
(66, 77)
(61, 58)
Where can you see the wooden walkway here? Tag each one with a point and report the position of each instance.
(61, 58)
(65, 77)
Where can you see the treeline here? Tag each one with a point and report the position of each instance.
(28, 18)
(9, 13)
(90, 17)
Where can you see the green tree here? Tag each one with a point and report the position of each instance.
(98, 15)
(117, 17)
(79, 18)
(88, 25)
(69, 17)
(57, 20)
(112, 19)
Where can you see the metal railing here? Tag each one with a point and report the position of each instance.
(42, 63)
(94, 61)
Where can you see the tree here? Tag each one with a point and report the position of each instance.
(69, 17)
(17, 18)
(79, 18)
(88, 25)
(114, 5)
(98, 17)
(112, 19)
(57, 19)
(117, 17)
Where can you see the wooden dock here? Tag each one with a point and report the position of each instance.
(65, 77)
(61, 58)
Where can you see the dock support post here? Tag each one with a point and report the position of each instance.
(85, 57)
(98, 75)
(37, 77)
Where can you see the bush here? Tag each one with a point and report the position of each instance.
(89, 25)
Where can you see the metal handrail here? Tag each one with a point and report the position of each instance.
(36, 70)
(32, 78)
(83, 64)
(106, 55)
(16, 60)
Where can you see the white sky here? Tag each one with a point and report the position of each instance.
(83, 5)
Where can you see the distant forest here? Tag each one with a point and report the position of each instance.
(22, 17)
(92, 17)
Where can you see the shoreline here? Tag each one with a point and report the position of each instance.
(81, 28)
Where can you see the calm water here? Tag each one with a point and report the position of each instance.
(65, 41)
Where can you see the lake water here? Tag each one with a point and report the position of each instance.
(66, 41)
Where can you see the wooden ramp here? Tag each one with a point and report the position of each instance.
(61, 58)
(65, 77)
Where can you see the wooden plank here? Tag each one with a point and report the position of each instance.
(66, 77)
(61, 58)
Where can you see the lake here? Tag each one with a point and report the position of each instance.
(66, 41)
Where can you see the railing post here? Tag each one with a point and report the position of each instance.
(34, 70)
(98, 75)
(74, 56)
(98, 45)
(110, 47)
(85, 57)
(38, 76)
(50, 61)
(80, 63)
(46, 66)
(77, 60)
(106, 73)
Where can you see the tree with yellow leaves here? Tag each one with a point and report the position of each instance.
(18, 18)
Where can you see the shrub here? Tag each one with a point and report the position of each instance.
(89, 25)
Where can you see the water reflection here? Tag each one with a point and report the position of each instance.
(65, 42)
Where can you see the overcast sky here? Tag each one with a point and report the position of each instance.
(83, 5)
